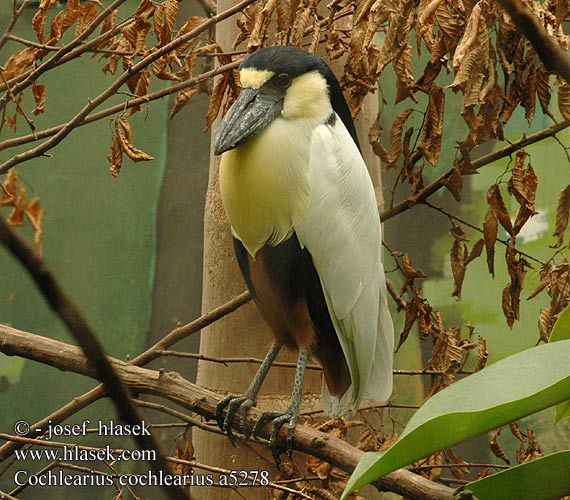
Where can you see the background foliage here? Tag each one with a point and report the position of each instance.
(462, 91)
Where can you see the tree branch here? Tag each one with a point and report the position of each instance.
(179, 333)
(436, 185)
(175, 388)
(70, 315)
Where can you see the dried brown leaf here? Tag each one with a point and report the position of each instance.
(115, 159)
(34, 213)
(9, 190)
(532, 451)
(125, 135)
(543, 90)
(410, 317)
(425, 19)
(39, 92)
(389, 441)
(476, 251)
(528, 98)
(469, 36)
(319, 467)
(545, 322)
(432, 129)
(508, 310)
(490, 230)
(18, 62)
(396, 137)
(496, 447)
(458, 233)
(516, 431)
(482, 354)
(216, 99)
(145, 10)
(454, 184)
(562, 216)
(405, 83)
(374, 138)
(39, 19)
(540, 287)
(181, 99)
(564, 98)
(457, 255)
(170, 13)
(16, 217)
(88, 15)
(368, 441)
(409, 271)
(495, 201)
(462, 469)
(185, 452)
(258, 34)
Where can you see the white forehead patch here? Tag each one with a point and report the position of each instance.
(252, 78)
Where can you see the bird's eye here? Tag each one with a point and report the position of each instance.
(282, 80)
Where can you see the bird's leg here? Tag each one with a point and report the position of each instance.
(248, 399)
(291, 415)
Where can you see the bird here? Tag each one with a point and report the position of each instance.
(306, 233)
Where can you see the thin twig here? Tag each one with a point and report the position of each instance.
(16, 13)
(282, 364)
(194, 422)
(477, 228)
(182, 332)
(53, 48)
(202, 357)
(219, 470)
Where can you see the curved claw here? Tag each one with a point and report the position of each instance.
(234, 403)
(279, 418)
(233, 407)
(220, 408)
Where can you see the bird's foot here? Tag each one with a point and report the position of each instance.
(234, 403)
(279, 418)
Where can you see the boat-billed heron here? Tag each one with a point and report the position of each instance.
(306, 231)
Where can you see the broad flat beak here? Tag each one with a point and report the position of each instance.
(248, 116)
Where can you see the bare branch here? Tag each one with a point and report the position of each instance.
(179, 333)
(68, 312)
(175, 388)
(437, 184)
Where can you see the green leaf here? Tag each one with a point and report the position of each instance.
(510, 389)
(541, 479)
(561, 331)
